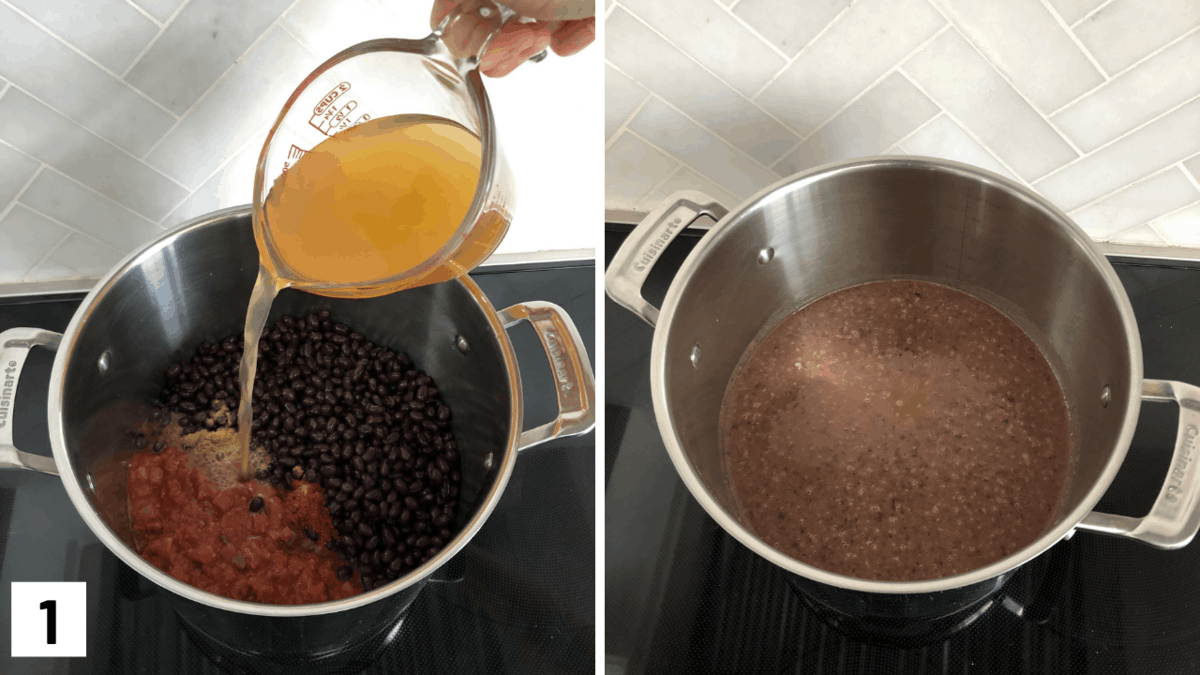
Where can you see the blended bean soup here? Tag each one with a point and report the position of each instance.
(897, 431)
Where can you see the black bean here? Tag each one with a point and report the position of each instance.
(344, 573)
(310, 533)
(256, 504)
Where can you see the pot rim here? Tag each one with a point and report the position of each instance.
(662, 336)
(67, 470)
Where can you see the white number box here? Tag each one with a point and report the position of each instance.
(49, 618)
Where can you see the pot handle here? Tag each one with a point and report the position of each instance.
(576, 386)
(632, 264)
(15, 344)
(1175, 517)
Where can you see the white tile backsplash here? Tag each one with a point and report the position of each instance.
(1136, 97)
(943, 138)
(1072, 11)
(49, 137)
(26, 238)
(965, 84)
(1090, 102)
(652, 62)
(147, 113)
(621, 97)
(70, 203)
(1182, 228)
(1143, 235)
(77, 87)
(663, 126)
(1125, 31)
(111, 32)
(1159, 144)
(711, 35)
(888, 112)
(1193, 167)
(1025, 42)
(203, 43)
(15, 171)
(329, 27)
(787, 24)
(685, 179)
(249, 98)
(159, 9)
(86, 256)
(1141, 202)
(865, 43)
(634, 167)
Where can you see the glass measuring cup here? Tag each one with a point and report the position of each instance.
(386, 78)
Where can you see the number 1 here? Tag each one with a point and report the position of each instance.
(51, 617)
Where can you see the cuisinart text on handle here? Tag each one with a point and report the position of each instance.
(656, 246)
(560, 368)
(1179, 471)
(6, 393)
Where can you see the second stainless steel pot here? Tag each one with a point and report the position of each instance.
(194, 284)
(916, 218)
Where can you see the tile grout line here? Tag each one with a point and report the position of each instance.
(1075, 38)
(99, 194)
(89, 59)
(608, 12)
(1128, 186)
(144, 13)
(1134, 130)
(670, 174)
(828, 27)
(1087, 16)
(224, 76)
(52, 251)
(170, 20)
(1004, 76)
(733, 4)
(886, 74)
(102, 139)
(7, 209)
(221, 167)
(715, 136)
(753, 31)
(625, 125)
(1195, 180)
(687, 56)
(966, 130)
(1154, 222)
(312, 51)
(1124, 71)
(914, 132)
(712, 180)
(75, 230)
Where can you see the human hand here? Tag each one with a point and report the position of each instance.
(564, 26)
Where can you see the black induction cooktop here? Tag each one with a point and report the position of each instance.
(684, 597)
(518, 599)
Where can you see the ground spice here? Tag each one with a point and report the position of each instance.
(208, 537)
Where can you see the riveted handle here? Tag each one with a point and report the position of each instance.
(574, 382)
(1175, 517)
(631, 265)
(15, 345)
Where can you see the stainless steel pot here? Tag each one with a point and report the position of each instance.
(915, 218)
(193, 284)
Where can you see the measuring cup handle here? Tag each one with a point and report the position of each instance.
(1175, 517)
(15, 345)
(574, 382)
(482, 12)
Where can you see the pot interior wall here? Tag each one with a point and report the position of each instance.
(870, 222)
(172, 298)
